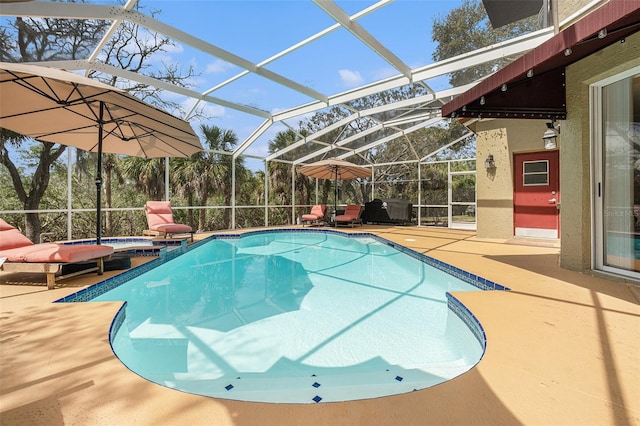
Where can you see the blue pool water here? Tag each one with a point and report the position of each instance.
(298, 317)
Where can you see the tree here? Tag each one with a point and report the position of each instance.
(43, 39)
(147, 175)
(468, 28)
(32, 40)
(29, 191)
(280, 173)
(210, 171)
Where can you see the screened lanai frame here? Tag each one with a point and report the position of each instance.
(409, 115)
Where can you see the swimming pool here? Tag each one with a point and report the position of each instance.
(298, 317)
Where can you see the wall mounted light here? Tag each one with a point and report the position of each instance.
(550, 137)
(489, 163)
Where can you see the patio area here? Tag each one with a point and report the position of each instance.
(563, 348)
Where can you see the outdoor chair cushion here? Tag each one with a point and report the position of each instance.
(317, 213)
(351, 213)
(18, 248)
(10, 237)
(160, 218)
(56, 253)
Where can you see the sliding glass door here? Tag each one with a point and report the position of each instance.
(616, 148)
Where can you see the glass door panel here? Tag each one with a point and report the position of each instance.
(620, 176)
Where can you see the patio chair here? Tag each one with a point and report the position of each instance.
(20, 254)
(160, 220)
(316, 215)
(350, 216)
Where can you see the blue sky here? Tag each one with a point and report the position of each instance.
(257, 30)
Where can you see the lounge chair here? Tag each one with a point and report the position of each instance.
(316, 215)
(350, 216)
(19, 254)
(160, 220)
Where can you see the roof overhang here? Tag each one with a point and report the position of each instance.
(533, 86)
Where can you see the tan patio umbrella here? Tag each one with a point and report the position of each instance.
(56, 106)
(336, 169)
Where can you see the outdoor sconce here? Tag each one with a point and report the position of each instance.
(489, 163)
(550, 137)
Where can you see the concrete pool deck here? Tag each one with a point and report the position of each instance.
(563, 349)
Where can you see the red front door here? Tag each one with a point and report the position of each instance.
(537, 194)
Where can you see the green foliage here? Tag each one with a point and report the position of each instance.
(204, 180)
(50, 39)
(467, 28)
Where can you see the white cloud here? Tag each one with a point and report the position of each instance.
(384, 73)
(218, 66)
(350, 78)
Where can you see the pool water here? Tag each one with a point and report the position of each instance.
(299, 317)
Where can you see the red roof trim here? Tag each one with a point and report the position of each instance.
(619, 17)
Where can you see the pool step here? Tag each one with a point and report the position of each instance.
(267, 387)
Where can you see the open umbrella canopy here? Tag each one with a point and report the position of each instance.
(56, 106)
(335, 168)
(61, 107)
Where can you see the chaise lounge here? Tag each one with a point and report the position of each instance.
(19, 254)
(316, 215)
(350, 216)
(160, 220)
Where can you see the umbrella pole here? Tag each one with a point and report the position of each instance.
(99, 179)
(335, 199)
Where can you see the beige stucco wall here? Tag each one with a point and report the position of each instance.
(502, 139)
(575, 157)
(567, 8)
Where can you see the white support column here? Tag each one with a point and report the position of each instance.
(373, 179)
(419, 192)
(449, 195)
(233, 193)
(266, 193)
(293, 194)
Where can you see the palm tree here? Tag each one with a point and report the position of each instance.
(210, 171)
(85, 164)
(280, 173)
(147, 175)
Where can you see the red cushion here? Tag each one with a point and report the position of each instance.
(10, 237)
(160, 218)
(51, 252)
(352, 212)
(317, 212)
(158, 213)
(4, 226)
(172, 228)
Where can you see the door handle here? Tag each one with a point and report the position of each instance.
(552, 201)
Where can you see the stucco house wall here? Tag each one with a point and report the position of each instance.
(502, 139)
(575, 147)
